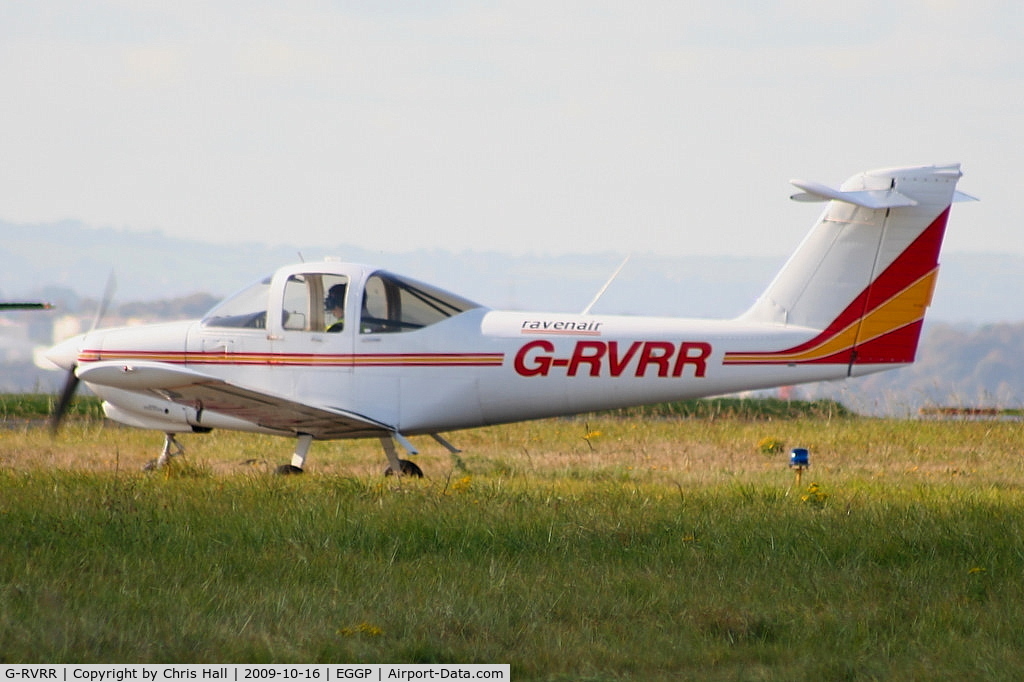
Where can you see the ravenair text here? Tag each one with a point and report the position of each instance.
(578, 327)
(613, 358)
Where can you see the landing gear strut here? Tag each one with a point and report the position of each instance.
(298, 457)
(403, 466)
(172, 448)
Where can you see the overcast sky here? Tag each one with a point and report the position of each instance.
(551, 127)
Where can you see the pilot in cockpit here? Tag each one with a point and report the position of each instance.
(335, 305)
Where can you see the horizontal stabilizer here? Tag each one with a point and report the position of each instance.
(868, 198)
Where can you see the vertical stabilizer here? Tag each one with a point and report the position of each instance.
(865, 273)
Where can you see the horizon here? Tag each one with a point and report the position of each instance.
(973, 288)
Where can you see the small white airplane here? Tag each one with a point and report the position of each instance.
(332, 350)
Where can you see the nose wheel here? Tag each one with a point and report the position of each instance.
(172, 448)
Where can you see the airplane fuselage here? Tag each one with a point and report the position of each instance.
(478, 368)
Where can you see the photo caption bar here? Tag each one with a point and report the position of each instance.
(381, 672)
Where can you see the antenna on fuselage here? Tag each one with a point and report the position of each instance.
(607, 284)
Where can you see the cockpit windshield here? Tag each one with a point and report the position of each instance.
(316, 302)
(397, 304)
(245, 309)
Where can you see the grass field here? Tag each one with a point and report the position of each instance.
(611, 547)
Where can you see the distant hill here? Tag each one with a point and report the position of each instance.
(69, 261)
(957, 366)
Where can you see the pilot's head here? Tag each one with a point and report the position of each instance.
(335, 297)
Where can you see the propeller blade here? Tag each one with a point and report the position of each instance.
(61, 408)
(108, 294)
(72, 381)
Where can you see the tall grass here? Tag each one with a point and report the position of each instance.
(40, 405)
(596, 549)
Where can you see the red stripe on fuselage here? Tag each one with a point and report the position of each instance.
(300, 359)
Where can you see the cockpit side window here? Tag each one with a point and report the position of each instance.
(245, 309)
(295, 308)
(392, 304)
(335, 289)
(314, 303)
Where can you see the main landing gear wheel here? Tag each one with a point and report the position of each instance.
(408, 469)
(298, 457)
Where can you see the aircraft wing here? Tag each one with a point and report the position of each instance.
(28, 305)
(204, 392)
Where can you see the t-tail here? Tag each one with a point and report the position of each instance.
(863, 277)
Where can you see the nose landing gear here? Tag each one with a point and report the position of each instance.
(172, 448)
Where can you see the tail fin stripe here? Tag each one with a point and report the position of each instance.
(903, 309)
(896, 299)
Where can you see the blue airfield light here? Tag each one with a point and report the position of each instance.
(799, 457)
